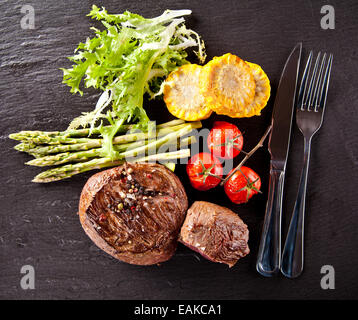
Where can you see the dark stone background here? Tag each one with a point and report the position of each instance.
(39, 225)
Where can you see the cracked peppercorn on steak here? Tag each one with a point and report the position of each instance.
(134, 212)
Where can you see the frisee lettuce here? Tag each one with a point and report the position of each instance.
(129, 58)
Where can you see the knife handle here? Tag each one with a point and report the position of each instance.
(269, 256)
(292, 255)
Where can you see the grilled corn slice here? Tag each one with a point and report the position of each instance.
(228, 85)
(182, 94)
(262, 91)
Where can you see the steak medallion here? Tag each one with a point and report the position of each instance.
(134, 212)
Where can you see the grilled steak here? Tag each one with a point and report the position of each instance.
(217, 233)
(134, 212)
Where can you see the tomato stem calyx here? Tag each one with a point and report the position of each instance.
(231, 143)
(207, 171)
(249, 186)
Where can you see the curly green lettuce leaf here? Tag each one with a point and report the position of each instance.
(130, 57)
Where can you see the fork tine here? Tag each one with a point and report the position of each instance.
(304, 80)
(308, 98)
(318, 83)
(324, 89)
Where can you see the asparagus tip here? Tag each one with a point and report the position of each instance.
(33, 162)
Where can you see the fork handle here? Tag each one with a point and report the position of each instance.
(269, 256)
(293, 253)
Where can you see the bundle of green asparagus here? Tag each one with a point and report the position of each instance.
(76, 151)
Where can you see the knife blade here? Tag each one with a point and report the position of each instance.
(279, 139)
(269, 255)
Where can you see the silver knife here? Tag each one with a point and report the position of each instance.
(269, 256)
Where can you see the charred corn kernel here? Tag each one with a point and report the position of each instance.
(228, 85)
(262, 91)
(182, 94)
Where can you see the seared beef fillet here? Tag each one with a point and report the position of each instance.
(217, 233)
(134, 212)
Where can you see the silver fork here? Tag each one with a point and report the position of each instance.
(311, 103)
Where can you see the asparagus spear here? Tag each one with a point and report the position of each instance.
(43, 139)
(66, 157)
(45, 150)
(97, 143)
(170, 165)
(58, 137)
(25, 147)
(157, 143)
(70, 170)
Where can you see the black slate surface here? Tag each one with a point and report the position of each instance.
(39, 225)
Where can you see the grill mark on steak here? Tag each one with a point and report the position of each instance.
(134, 212)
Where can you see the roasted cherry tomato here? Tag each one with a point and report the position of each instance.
(204, 171)
(243, 184)
(225, 140)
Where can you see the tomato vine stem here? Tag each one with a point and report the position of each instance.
(248, 155)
